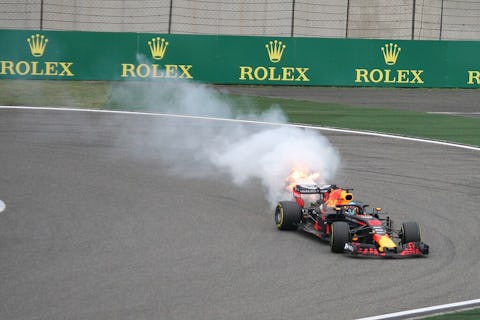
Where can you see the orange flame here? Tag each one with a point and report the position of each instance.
(298, 176)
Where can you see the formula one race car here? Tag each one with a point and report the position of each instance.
(335, 217)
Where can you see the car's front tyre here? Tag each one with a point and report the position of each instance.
(410, 232)
(340, 234)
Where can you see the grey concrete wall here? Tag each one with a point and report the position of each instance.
(232, 17)
(461, 20)
(87, 15)
(380, 19)
(95, 15)
(322, 18)
(433, 19)
(20, 14)
(427, 19)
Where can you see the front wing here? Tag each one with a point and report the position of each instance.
(408, 250)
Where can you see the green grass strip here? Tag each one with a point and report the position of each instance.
(144, 96)
(418, 124)
(38, 93)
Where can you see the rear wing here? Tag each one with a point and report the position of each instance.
(306, 189)
(314, 188)
(330, 194)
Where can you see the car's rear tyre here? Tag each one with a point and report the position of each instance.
(340, 234)
(410, 232)
(287, 215)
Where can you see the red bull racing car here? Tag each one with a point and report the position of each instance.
(335, 217)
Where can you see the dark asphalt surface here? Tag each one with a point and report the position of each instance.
(464, 102)
(97, 227)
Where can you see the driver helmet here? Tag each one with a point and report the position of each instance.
(352, 209)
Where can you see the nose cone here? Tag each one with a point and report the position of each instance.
(385, 242)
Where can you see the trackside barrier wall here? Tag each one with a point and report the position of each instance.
(73, 55)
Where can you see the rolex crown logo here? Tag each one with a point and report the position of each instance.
(275, 50)
(37, 44)
(390, 53)
(158, 47)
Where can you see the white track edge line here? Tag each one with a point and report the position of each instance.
(453, 113)
(426, 311)
(359, 132)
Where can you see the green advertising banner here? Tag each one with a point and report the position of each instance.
(69, 55)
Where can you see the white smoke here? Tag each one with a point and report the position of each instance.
(271, 154)
(244, 151)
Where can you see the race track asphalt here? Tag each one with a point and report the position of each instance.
(97, 227)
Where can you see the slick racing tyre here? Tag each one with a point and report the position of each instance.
(287, 215)
(340, 235)
(410, 232)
